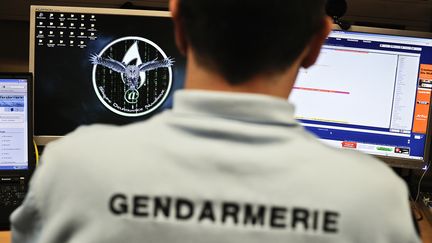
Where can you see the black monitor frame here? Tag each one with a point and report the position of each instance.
(401, 162)
(47, 138)
(31, 153)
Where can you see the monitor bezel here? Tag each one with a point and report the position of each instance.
(30, 151)
(42, 140)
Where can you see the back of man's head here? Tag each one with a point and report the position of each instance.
(243, 38)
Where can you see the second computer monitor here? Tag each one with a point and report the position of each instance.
(370, 92)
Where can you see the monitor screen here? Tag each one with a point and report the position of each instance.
(95, 65)
(370, 92)
(14, 123)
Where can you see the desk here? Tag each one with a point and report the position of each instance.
(426, 230)
(425, 227)
(5, 237)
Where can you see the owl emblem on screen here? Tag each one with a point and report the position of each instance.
(132, 76)
(131, 73)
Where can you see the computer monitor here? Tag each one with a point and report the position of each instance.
(370, 90)
(16, 154)
(100, 65)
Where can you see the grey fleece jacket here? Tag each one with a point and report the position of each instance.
(217, 168)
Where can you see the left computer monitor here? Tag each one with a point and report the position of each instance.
(100, 65)
(16, 132)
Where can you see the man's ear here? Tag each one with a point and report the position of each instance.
(315, 44)
(179, 32)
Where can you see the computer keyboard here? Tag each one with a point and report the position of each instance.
(12, 195)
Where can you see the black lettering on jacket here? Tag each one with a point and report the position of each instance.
(184, 209)
(300, 216)
(295, 219)
(330, 222)
(118, 204)
(140, 204)
(277, 217)
(256, 216)
(207, 212)
(162, 206)
(230, 210)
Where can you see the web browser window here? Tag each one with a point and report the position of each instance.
(369, 92)
(13, 124)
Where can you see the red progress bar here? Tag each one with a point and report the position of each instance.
(323, 90)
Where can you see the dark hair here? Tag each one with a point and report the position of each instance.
(243, 38)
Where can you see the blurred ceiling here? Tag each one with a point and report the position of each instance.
(400, 14)
(20, 9)
(14, 20)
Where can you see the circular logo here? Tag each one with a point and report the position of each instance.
(132, 76)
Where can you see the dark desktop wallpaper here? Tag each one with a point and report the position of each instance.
(70, 90)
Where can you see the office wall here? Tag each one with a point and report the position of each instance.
(400, 14)
(14, 45)
(19, 9)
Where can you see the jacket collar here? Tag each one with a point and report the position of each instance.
(253, 108)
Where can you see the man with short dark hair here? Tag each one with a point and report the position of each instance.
(229, 163)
